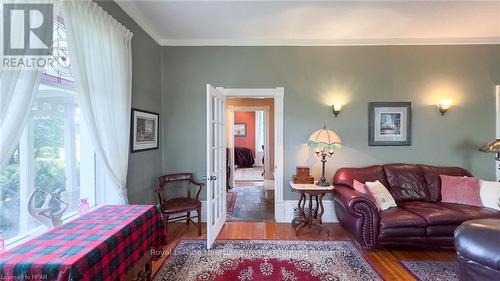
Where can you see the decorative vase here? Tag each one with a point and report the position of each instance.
(84, 206)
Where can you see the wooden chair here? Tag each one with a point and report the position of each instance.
(179, 205)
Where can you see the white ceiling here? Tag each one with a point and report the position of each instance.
(263, 23)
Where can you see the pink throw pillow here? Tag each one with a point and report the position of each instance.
(461, 190)
(363, 189)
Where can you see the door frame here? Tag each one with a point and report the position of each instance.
(278, 95)
(230, 122)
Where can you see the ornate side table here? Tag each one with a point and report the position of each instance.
(311, 218)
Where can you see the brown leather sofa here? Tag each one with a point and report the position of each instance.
(420, 219)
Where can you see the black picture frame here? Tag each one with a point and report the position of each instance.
(398, 122)
(144, 142)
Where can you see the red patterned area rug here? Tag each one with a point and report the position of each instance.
(266, 260)
(230, 202)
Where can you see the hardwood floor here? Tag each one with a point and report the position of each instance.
(385, 261)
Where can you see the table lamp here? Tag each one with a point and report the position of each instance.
(324, 141)
(492, 147)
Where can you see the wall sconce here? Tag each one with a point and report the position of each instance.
(336, 107)
(444, 106)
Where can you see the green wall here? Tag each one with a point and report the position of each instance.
(144, 167)
(313, 77)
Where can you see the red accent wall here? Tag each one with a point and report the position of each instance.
(249, 140)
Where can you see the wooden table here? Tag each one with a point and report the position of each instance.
(313, 217)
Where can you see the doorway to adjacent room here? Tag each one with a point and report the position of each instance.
(220, 159)
(250, 148)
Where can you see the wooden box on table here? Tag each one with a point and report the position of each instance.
(302, 175)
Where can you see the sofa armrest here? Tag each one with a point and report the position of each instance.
(349, 198)
(357, 214)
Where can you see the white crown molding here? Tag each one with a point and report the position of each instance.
(134, 12)
(131, 9)
(333, 42)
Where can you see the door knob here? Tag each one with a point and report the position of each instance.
(213, 178)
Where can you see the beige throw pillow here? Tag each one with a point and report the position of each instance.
(490, 194)
(382, 196)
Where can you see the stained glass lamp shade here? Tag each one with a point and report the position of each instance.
(492, 147)
(324, 141)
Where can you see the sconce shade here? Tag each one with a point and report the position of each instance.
(336, 109)
(444, 106)
(324, 138)
(491, 147)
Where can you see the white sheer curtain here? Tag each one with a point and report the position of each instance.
(17, 92)
(101, 55)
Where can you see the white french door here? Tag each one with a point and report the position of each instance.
(216, 163)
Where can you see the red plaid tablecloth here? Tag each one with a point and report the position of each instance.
(100, 245)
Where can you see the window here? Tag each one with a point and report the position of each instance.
(54, 152)
(259, 131)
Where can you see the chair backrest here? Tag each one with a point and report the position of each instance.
(175, 177)
(173, 181)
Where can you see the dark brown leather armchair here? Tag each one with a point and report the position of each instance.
(478, 244)
(179, 205)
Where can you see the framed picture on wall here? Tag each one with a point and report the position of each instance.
(144, 130)
(240, 129)
(390, 123)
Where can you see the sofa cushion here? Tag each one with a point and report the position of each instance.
(436, 213)
(431, 176)
(400, 217)
(387, 234)
(406, 182)
(346, 176)
(473, 211)
(445, 230)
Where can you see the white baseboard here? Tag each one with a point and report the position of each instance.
(280, 212)
(328, 215)
(284, 211)
(204, 211)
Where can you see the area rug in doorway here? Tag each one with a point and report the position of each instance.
(266, 260)
(433, 270)
(230, 201)
(249, 174)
